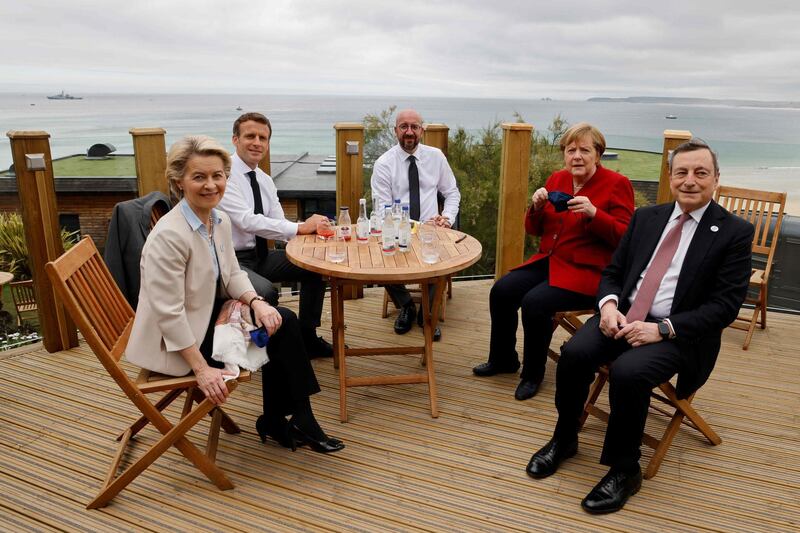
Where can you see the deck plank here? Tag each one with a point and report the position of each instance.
(402, 470)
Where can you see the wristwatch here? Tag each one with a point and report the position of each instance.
(253, 299)
(663, 330)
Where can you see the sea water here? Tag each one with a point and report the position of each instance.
(758, 147)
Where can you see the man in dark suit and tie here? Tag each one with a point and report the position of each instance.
(677, 279)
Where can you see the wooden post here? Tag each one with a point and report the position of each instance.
(436, 135)
(672, 138)
(514, 166)
(150, 153)
(350, 178)
(265, 164)
(42, 233)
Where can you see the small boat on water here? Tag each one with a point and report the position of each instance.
(64, 96)
(673, 117)
(239, 108)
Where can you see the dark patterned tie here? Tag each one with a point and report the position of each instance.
(413, 188)
(258, 209)
(655, 274)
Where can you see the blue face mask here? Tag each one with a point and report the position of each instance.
(559, 200)
(260, 337)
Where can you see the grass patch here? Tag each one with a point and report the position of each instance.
(120, 165)
(8, 302)
(644, 166)
(636, 165)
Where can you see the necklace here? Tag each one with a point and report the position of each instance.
(210, 228)
(578, 186)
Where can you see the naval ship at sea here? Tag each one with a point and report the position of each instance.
(64, 96)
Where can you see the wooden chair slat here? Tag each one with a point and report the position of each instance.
(24, 298)
(762, 207)
(117, 316)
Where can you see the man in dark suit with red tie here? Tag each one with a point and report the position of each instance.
(677, 279)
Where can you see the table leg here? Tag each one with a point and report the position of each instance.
(430, 319)
(337, 320)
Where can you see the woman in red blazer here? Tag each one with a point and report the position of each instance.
(577, 240)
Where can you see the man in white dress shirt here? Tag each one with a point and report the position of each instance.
(416, 174)
(677, 279)
(251, 201)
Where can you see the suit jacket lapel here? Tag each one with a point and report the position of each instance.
(702, 242)
(652, 230)
(219, 246)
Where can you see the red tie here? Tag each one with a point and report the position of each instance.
(655, 274)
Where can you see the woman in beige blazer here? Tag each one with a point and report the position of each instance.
(188, 269)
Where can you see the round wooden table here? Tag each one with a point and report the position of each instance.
(365, 263)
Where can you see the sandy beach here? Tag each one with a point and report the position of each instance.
(768, 179)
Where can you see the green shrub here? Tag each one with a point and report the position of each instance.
(13, 249)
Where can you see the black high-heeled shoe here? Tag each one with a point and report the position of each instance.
(281, 433)
(326, 445)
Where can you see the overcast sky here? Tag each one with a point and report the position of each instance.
(487, 48)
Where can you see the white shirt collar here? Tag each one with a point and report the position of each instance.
(191, 217)
(240, 167)
(697, 214)
(418, 151)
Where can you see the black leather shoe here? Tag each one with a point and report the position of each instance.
(277, 430)
(612, 492)
(318, 347)
(325, 445)
(545, 462)
(526, 389)
(490, 369)
(405, 319)
(437, 334)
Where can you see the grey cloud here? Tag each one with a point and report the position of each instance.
(467, 48)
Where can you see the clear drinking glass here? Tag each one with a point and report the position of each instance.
(430, 247)
(337, 246)
(326, 231)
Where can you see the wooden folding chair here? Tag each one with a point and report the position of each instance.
(760, 208)
(677, 411)
(24, 300)
(105, 319)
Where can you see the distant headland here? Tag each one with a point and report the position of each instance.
(697, 101)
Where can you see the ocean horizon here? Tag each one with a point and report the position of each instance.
(758, 147)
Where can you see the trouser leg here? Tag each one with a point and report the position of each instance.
(632, 376)
(207, 344)
(505, 299)
(276, 267)
(399, 295)
(288, 378)
(580, 359)
(539, 306)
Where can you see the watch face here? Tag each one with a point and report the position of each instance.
(663, 329)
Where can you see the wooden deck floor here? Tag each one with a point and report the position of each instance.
(402, 470)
